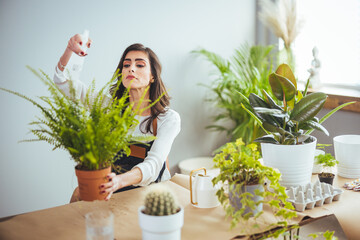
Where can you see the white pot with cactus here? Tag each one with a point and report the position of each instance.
(161, 217)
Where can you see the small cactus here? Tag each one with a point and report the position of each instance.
(160, 202)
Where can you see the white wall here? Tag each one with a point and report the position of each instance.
(35, 33)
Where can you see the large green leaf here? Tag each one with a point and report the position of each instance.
(282, 87)
(308, 107)
(270, 101)
(272, 128)
(266, 139)
(271, 112)
(315, 125)
(255, 102)
(285, 71)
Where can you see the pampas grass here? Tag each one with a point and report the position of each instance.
(282, 18)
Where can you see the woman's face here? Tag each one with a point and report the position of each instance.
(136, 70)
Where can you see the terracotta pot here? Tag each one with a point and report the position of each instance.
(89, 182)
(327, 178)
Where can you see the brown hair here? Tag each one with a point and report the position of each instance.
(157, 88)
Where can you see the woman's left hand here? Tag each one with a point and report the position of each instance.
(110, 187)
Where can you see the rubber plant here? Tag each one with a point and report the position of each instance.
(245, 71)
(295, 119)
(240, 166)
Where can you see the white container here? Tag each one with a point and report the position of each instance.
(187, 165)
(347, 152)
(161, 227)
(202, 191)
(99, 225)
(75, 64)
(295, 162)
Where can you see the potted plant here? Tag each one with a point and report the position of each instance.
(92, 131)
(328, 162)
(246, 71)
(288, 145)
(246, 185)
(161, 217)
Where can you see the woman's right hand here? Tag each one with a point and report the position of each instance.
(75, 44)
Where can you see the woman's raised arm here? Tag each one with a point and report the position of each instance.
(74, 46)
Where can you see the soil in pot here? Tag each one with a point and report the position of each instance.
(326, 177)
(89, 182)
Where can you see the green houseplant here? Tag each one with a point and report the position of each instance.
(92, 131)
(327, 161)
(161, 217)
(288, 145)
(246, 71)
(240, 171)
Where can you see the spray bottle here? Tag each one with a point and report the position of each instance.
(76, 62)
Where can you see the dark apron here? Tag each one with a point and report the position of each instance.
(137, 155)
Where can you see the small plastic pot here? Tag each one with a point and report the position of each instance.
(326, 178)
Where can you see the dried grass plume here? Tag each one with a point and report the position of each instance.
(282, 18)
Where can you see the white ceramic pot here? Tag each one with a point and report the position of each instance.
(347, 152)
(161, 227)
(295, 162)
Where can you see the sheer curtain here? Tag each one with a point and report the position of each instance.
(333, 26)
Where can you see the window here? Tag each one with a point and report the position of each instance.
(333, 26)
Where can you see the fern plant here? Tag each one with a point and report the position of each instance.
(246, 71)
(92, 131)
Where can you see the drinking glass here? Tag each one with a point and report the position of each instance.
(99, 225)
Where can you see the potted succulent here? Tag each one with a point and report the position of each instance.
(161, 217)
(328, 162)
(246, 185)
(93, 131)
(288, 122)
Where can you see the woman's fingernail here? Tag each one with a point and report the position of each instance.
(102, 191)
(80, 43)
(82, 53)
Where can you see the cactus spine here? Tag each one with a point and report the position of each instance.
(160, 202)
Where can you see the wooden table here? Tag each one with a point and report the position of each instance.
(67, 221)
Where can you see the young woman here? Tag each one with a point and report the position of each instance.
(140, 68)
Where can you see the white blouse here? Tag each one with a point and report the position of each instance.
(168, 127)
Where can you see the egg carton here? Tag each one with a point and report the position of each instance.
(312, 195)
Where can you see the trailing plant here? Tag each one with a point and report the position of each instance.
(293, 121)
(240, 167)
(160, 201)
(246, 71)
(328, 235)
(93, 131)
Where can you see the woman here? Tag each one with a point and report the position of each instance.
(140, 68)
